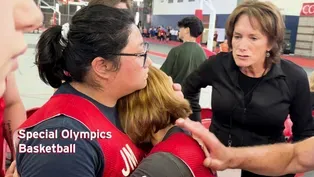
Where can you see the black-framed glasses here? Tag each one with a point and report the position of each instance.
(139, 55)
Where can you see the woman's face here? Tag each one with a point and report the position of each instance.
(17, 17)
(133, 72)
(249, 45)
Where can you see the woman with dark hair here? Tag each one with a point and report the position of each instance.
(102, 57)
(254, 90)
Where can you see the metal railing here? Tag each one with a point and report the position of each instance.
(45, 5)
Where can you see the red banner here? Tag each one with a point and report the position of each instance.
(307, 9)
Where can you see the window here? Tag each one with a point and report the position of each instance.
(170, 1)
(191, 0)
(180, 0)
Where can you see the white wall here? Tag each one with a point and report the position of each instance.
(162, 7)
(290, 7)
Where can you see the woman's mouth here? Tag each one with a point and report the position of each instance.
(243, 56)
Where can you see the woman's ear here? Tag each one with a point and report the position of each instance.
(269, 47)
(187, 30)
(101, 67)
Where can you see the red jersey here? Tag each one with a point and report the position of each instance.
(188, 150)
(123, 155)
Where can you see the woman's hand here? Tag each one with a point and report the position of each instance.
(177, 88)
(219, 156)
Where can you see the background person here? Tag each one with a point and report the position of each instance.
(253, 89)
(223, 47)
(184, 59)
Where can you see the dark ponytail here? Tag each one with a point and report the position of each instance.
(94, 31)
(49, 57)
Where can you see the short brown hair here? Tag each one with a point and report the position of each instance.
(271, 22)
(111, 3)
(151, 109)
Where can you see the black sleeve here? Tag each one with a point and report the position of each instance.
(300, 109)
(162, 164)
(312, 100)
(84, 162)
(191, 87)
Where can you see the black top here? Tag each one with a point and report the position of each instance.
(163, 164)
(283, 90)
(312, 100)
(248, 84)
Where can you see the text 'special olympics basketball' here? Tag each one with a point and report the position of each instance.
(51, 146)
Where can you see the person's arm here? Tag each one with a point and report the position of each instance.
(275, 160)
(167, 66)
(84, 162)
(300, 109)
(270, 160)
(14, 112)
(191, 87)
(162, 164)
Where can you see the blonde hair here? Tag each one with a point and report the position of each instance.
(151, 109)
(271, 22)
(311, 79)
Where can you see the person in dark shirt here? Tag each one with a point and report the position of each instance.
(184, 59)
(175, 153)
(254, 90)
(101, 57)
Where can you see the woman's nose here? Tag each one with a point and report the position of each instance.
(148, 62)
(27, 15)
